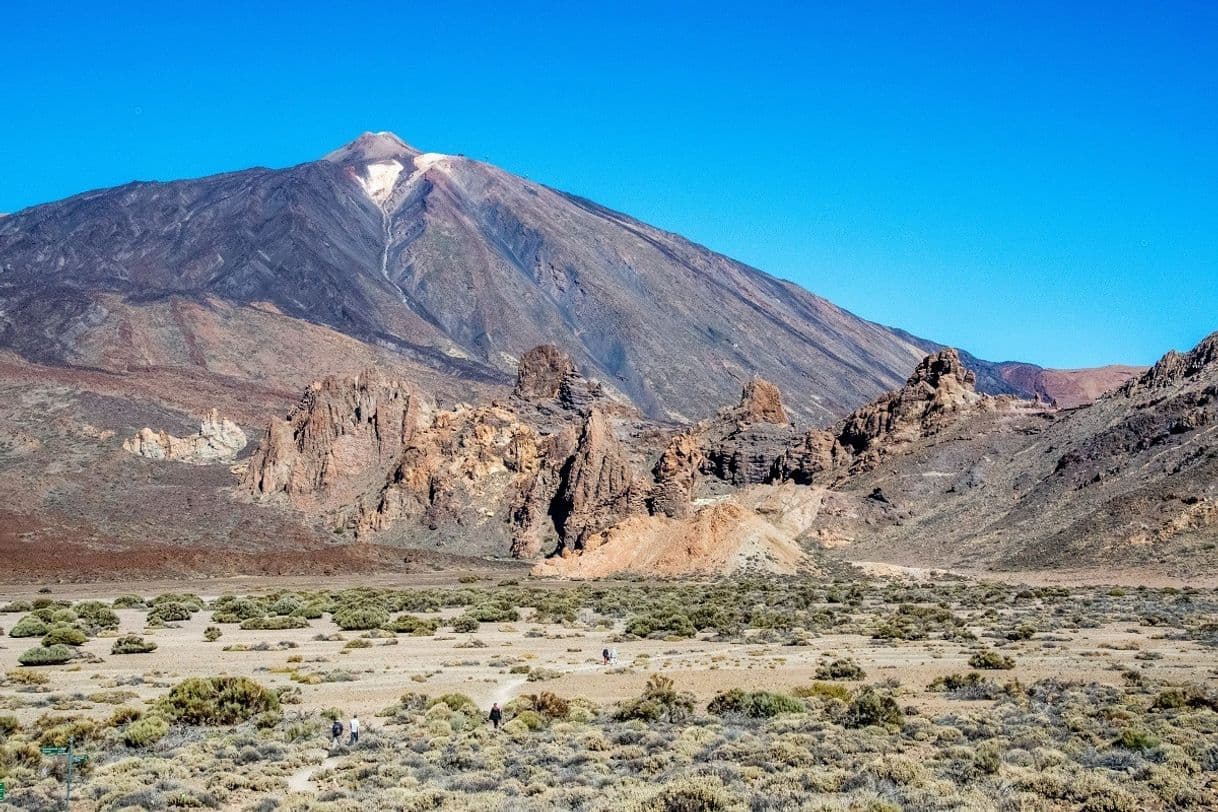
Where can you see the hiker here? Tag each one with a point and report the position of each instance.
(496, 715)
(605, 654)
(336, 733)
(354, 725)
(613, 656)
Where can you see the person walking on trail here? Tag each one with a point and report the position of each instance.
(336, 733)
(605, 655)
(496, 715)
(354, 726)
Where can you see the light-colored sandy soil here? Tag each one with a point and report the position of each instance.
(450, 662)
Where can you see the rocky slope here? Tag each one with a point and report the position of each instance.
(436, 266)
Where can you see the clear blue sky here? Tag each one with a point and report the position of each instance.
(1028, 181)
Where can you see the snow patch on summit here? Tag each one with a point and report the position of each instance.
(379, 179)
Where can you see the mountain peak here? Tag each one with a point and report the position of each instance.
(372, 146)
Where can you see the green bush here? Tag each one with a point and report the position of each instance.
(212, 633)
(360, 618)
(869, 707)
(991, 660)
(96, 615)
(823, 690)
(145, 731)
(1137, 739)
(47, 655)
(170, 612)
(844, 669)
(217, 701)
(465, 624)
(132, 644)
(663, 624)
(274, 623)
(754, 704)
(63, 634)
(456, 702)
(129, 602)
(966, 686)
(417, 626)
(8, 725)
(659, 701)
(286, 605)
(28, 626)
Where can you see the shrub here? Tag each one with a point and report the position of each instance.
(465, 624)
(170, 612)
(823, 690)
(550, 705)
(692, 794)
(659, 701)
(870, 707)
(417, 626)
(531, 719)
(63, 616)
(286, 605)
(145, 731)
(129, 602)
(275, 623)
(966, 686)
(8, 725)
(1132, 738)
(217, 701)
(132, 644)
(22, 676)
(63, 634)
(493, 612)
(754, 704)
(360, 618)
(1189, 696)
(991, 660)
(841, 669)
(212, 633)
(662, 623)
(28, 626)
(455, 702)
(96, 615)
(47, 655)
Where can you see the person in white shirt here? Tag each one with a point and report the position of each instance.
(354, 728)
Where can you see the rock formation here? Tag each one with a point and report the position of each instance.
(343, 431)
(218, 440)
(675, 476)
(598, 488)
(541, 371)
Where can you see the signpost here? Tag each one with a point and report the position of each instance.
(70, 761)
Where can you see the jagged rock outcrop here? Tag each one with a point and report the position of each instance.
(341, 436)
(541, 371)
(676, 474)
(939, 385)
(745, 442)
(599, 487)
(218, 440)
(458, 474)
(547, 373)
(761, 402)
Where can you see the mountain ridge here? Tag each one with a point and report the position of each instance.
(461, 267)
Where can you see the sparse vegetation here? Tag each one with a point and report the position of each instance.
(1123, 732)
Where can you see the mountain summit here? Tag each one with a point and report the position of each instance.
(445, 267)
(373, 147)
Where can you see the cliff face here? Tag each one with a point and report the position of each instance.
(342, 434)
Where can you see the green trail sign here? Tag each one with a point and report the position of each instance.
(1, 790)
(54, 751)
